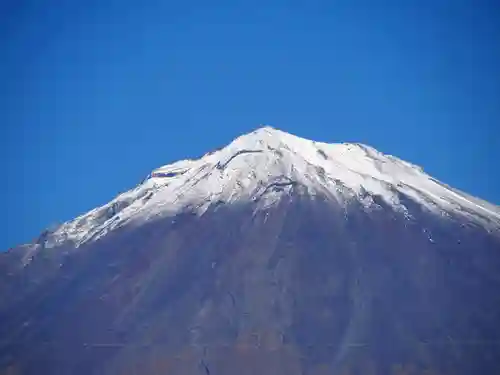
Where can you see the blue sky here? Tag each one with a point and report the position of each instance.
(95, 94)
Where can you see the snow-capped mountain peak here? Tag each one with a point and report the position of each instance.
(261, 167)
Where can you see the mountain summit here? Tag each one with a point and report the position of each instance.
(273, 255)
(265, 164)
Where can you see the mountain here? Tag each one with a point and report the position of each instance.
(272, 255)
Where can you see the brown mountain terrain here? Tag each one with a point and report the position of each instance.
(302, 288)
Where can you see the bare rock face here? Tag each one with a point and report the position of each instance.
(305, 284)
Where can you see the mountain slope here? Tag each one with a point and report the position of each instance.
(273, 255)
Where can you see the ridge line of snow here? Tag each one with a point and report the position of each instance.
(239, 171)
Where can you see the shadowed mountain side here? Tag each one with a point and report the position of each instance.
(303, 287)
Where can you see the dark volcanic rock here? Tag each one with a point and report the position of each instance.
(304, 287)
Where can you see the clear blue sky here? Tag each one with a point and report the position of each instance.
(95, 94)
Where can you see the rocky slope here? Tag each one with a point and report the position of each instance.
(273, 255)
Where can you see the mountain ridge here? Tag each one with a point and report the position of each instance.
(263, 164)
